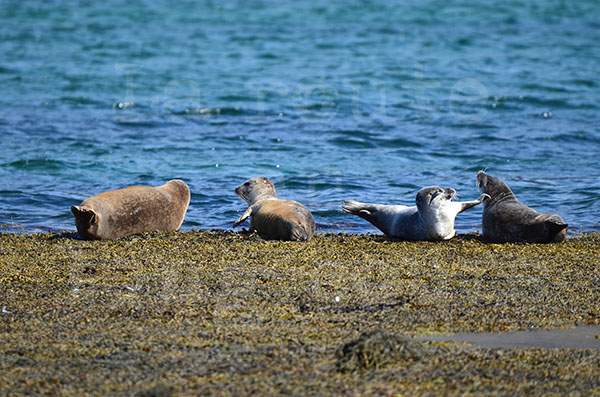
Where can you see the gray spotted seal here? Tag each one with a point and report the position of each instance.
(274, 218)
(136, 209)
(505, 219)
(432, 219)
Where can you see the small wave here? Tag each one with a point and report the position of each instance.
(324, 107)
(586, 83)
(268, 55)
(352, 143)
(548, 103)
(208, 111)
(490, 138)
(143, 123)
(399, 143)
(5, 70)
(237, 98)
(38, 164)
(474, 126)
(577, 137)
(355, 133)
(548, 88)
(80, 100)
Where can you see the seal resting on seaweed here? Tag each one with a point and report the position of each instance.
(432, 219)
(274, 218)
(136, 209)
(506, 220)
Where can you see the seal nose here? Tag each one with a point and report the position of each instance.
(481, 176)
(450, 192)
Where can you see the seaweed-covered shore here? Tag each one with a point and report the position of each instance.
(223, 313)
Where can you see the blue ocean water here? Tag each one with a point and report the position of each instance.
(369, 100)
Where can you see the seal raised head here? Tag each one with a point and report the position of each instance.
(136, 209)
(432, 219)
(274, 218)
(505, 219)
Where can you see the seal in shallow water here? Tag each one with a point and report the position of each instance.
(505, 219)
(119, 213)
(431, 220)
(274, 218)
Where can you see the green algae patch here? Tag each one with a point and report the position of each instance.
(206, 312)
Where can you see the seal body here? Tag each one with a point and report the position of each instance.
(274, 218)
(136, 209)
(505, 219)
(432, 219)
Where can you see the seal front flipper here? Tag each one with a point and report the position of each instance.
(470, 204)
(244, 216)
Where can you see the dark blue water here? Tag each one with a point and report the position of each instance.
(362, 100)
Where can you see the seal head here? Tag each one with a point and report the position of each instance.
(506, 219)
(436, 208)
(274, 218)
(255, 189)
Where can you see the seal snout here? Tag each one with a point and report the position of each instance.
(481, 180)
(450, 193)
(243, 191)
(238, 190)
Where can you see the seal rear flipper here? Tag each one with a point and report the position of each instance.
(86, 216)
(297, 233)
(353, 207)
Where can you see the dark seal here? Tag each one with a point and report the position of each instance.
(506, 220)
(136, 209)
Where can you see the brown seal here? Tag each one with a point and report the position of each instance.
(274, 218)
(136, 209)
(505, 219)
